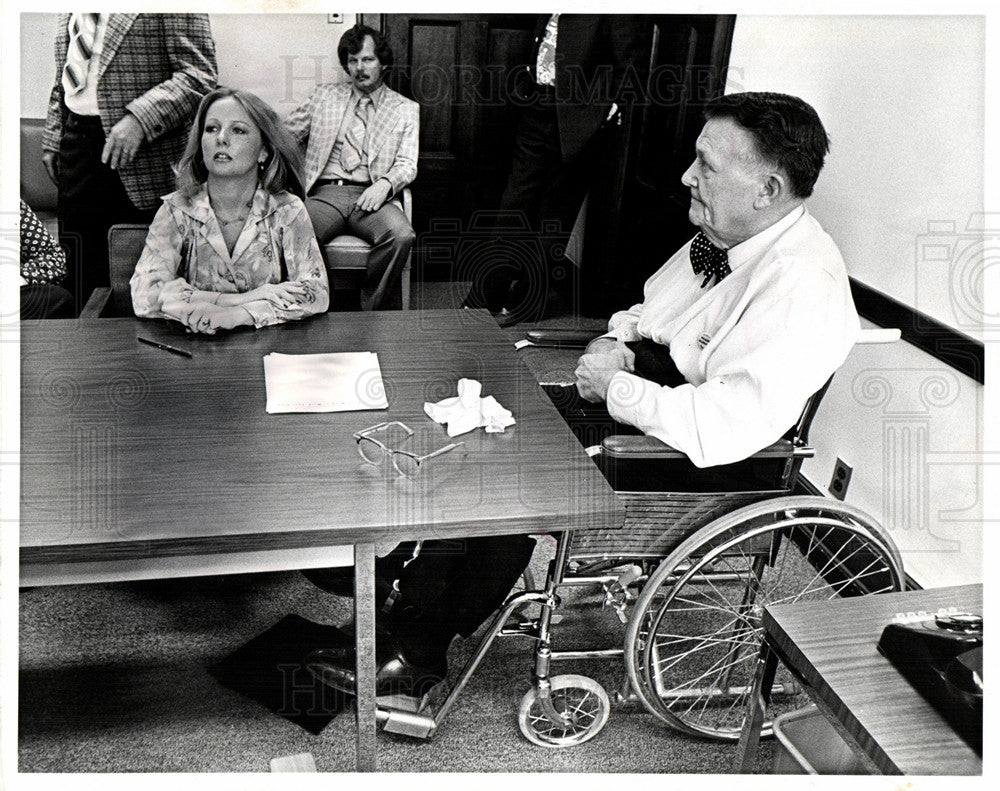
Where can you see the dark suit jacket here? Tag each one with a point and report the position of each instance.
(597, 55)
(157, 67)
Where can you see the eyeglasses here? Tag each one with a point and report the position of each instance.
(406, 462)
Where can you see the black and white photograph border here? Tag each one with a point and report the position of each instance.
(108, 685)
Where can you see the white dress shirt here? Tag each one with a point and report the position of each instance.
(752, 348)
(85, 101)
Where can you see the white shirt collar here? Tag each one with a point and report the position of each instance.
(375, 96)
(756, 244)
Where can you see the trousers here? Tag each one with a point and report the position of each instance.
(91, 199)
(45, 301)
(545, 193)
(333, 212)
(450, 588)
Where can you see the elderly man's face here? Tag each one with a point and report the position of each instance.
(724, 180)
(364, 67)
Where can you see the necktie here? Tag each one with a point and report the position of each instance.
(545, 64)
(82, 35)
(354, 140)
(708, 259)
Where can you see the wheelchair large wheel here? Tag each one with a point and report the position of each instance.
(692, 642)
(582, 699)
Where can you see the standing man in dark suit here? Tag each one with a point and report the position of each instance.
(585, 68)
(126, 89)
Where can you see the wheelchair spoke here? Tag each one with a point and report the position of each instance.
(718, 667)
(582, 701)
(694, 638)
(703, 642)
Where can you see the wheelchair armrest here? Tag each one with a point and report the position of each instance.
(627, 446)
(562, 339)
(96, 304)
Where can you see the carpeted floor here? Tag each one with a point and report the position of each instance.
(115, 678)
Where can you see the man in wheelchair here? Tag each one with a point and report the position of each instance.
(735, 332)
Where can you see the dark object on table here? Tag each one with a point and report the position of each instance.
(270, 670)
(943, 659)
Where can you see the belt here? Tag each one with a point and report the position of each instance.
(83, 120)
(342, 183)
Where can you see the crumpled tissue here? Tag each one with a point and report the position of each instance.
(467, 411)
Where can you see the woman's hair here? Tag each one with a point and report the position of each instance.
(280, 171)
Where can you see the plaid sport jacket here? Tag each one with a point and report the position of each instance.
(394, 142)
(157, 67)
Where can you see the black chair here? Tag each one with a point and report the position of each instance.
(125, 245)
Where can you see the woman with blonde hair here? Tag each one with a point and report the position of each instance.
(233, 245)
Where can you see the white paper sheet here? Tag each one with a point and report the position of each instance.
(335, 382)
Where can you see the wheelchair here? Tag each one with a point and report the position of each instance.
(690, 574)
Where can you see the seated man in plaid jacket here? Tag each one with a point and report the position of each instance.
(361, 141)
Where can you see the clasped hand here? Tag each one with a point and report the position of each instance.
(208, 318)
(603, 359)
(281, 295)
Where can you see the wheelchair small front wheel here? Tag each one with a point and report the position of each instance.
(582, 699)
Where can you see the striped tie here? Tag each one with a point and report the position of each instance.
(354, 141)
(82, 34)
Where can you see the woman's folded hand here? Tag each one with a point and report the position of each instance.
(284, 295)
(281, 295)
(207, 318)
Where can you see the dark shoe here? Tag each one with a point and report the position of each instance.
(394, 674)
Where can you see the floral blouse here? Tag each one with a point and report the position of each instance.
(185, 252)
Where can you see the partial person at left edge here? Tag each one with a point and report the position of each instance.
(43, 267)
(126, 89)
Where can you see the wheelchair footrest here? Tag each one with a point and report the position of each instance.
(409, 715)
(406, 723)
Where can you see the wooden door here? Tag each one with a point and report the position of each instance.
(639, 217)
(460, 68)
(457, 67)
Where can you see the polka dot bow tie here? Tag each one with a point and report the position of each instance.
(708, 259)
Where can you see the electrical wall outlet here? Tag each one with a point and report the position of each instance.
(334, 19)
(841, 478)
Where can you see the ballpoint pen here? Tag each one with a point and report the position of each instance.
(164, 346)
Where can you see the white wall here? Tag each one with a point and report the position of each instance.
(902, 101)
(911, 427)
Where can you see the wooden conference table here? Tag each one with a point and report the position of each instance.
(831, 647)
(139, 463)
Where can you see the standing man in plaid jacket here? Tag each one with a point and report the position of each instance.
(126, 89)
(361, 143)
